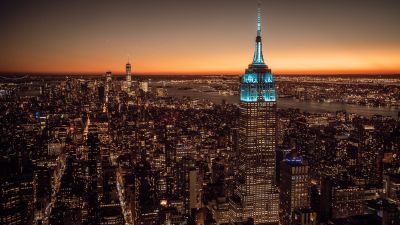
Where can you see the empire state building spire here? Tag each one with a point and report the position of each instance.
(258, 58)
(255, 194)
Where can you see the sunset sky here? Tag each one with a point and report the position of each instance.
(199, 37)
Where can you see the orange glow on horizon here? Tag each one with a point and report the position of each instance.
(231, 63)
(199, 37)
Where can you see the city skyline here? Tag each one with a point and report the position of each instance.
(253, 149)
(198, 37)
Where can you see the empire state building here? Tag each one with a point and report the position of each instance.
(255, 195)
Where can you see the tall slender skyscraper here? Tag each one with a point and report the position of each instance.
(256, 194)
(128, 75)
(108, 84)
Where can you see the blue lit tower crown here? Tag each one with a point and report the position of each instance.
(255, 193)
(257, 83)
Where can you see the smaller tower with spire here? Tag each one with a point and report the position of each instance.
(128, 74)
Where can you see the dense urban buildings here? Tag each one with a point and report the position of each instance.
(84, 150)
(208, 150)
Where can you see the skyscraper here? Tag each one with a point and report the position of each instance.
(108, 84)
(294, 189)
(340, 198)
(256, 195)
(128, 75)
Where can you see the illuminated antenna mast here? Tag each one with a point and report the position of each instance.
(258, 58)
(259, 19)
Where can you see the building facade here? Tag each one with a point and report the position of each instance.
(340, 199)
(294, 188)
(392, 187)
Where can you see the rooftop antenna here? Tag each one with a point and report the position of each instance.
(259, 18)
(258, 56)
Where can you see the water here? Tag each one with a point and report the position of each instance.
(285, 103)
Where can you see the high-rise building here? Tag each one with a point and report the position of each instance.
(16, 199)
(256, 195)
(392, 187)
(340, 198)
(128, 72)
(294, 188)
(194, 189)
(43, 187)
(11, 207)
(16, 189)
(108, 84)
(91, 196)
(128, 78)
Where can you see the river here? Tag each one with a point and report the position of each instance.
(285, 103)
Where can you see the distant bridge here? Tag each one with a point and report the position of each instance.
(14, 78)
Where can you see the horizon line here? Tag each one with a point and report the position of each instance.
(189, 74)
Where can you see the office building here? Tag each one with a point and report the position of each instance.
(256, 195)
(294, 188)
